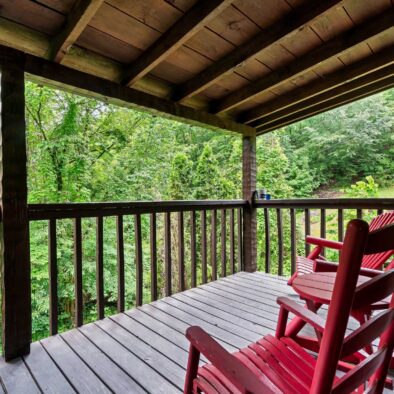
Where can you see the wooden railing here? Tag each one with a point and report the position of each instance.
(178, 219)
(292, 220)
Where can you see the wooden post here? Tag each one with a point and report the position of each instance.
(249, 213)
(14, 229)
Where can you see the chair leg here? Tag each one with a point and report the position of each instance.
(192, 368)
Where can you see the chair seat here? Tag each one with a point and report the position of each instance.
(304, 265)
(281, 364)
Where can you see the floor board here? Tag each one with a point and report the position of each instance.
(144, 350)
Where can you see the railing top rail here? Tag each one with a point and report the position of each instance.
(74, 210)
(328, 203)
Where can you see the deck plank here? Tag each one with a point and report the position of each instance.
(15, 377)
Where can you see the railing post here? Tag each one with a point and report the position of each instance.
(249, 213)
(14, 229)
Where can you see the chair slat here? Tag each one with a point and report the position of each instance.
(380, 240)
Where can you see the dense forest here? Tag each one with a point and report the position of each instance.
(82, 150)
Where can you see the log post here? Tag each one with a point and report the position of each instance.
(249, 213)
(14, 228)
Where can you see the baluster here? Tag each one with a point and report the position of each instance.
(204, 246)
(100, 267)
(232, 248)
(323, 227)
(213, 244)
(293, 240)
(139, 272)
(53, 298)
(120, 262)
(239, 236)
(78, 272)
(167, 253)
(223, 241)
(153, 257)
(379, 211)
(307, 213)
(340, 225)
(181, 253)
(267, 240)
(280, 240)
(193, 252)
(359, 213)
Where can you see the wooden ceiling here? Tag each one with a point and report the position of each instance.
(262, 63)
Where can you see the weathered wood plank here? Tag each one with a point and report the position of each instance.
(77, 20)
(14, 239)
(177, 35)
(15, 377)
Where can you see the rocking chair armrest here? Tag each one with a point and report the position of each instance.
(371, 273)
(324, 266)
(305, 314)
(324, 242)
(232, 368)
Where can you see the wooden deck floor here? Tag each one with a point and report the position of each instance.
(144, 349)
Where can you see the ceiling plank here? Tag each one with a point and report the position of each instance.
(331, 81)
(373, 27)
(345, 88)
(178, 34)
(77, 20)
(292, 22)
(336, 102)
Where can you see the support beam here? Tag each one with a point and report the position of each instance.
(249, 241)
(292, 22)
(177, 35)
(335, 47)
(59, 76)
(14, 227)
(363, 92)
(331, 81)
(79, 17)
(345, 89)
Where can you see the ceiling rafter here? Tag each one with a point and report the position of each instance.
(335, 47)
(330, 81)
(77, 20)
(292, 22)
(177, 35)
(335, 102)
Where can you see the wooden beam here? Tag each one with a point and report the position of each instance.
(63, 77)
(14, 227)
(249, 234)
(331, 81)
(79, 17)
(329, 95)
(292, 22)
(363, 92)
(178, 34)
(335, 47)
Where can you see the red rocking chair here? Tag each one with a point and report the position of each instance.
(315, 263)
(280, 365)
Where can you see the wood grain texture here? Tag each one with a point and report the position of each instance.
(14, 240)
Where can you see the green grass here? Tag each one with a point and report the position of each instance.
(387, 192)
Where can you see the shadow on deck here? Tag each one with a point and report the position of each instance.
(144, 349)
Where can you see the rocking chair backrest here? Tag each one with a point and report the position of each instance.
(375, 261)
(345, 297)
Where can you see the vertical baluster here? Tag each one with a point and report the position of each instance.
(307, 213)
(359, 213)
(100, 267)
(181, 253)
(139, 272)
(53, 298)
(213, 244)
(340, 225)
(280, 240)
(267, 240)
(379, 211)
(120, 262)
(153, 257)
(223, 241)
(167, 254)
(204, 246)
(78, 272)
(193, 252)
(239, 236)
(232, 248)
(323, 227)
(293, 240)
